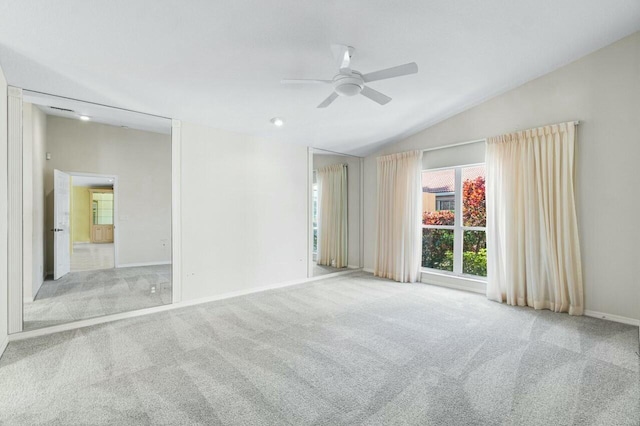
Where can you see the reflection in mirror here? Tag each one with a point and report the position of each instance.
(335, 212)
(99, 184)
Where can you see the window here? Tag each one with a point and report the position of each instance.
(454, 239)
(445, 202)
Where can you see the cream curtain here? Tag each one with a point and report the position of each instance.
(399, 233)
(332, 215)
(532, 232)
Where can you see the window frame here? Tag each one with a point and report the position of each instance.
(458, 227)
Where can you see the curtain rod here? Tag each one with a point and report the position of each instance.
(576, 122)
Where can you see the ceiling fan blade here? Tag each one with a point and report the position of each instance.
(332, 97)
(398, 71)
(303, 81)
(375, 96)
(342, 54)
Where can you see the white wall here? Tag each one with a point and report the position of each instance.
(34, 128)
(353, 199)
(3, 212)
(602, 90)
(244, 212)
(142, 162)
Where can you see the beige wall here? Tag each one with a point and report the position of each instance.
(142, 163)
(80, 215)
(353, 200)
(244, 212)
(602, 90)
(3, 213)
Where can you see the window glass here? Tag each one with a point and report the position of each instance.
(474, 256)
(474, 210)
(437, 249)
(438, 197)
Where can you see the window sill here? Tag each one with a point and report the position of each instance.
(450, 280)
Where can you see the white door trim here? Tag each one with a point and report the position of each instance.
(14, 210)
(309, 212)
(176, 241)
(116, 203)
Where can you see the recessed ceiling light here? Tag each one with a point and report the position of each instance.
(277, 121)
(85, 118)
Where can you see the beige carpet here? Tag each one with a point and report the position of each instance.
(319, 270)
(353, 350)
(88, 294)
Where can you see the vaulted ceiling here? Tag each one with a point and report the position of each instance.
(220, 63)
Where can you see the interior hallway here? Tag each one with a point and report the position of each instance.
(89, 256)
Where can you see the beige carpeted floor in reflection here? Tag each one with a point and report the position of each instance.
(88, 294)
(319, 270)
(344, 351)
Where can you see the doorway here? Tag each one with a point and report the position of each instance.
(93, 217)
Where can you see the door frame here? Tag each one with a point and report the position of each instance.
(18, 226)
(115, 207)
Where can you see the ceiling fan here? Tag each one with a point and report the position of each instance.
(349, 82)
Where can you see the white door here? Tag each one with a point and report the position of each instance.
(61, 224)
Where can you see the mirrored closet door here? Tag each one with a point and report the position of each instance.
(98, 183)
(335, 221)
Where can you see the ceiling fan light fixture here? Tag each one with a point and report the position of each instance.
(349, 82)
(277, 121)
(348, 85)
(348, 89)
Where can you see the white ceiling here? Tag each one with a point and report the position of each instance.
(54, 105)
(220, 63)
(92, 181)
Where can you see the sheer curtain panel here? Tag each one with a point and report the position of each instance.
(332, 215)
(399, 234)
(532, 231)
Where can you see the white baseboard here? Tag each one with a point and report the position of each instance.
(476, 286)
(3, 344)
(368, 270)
(454, 282)
(611, 317)
(353, 267)
(133, 265)
(147, 311)
(233, 294)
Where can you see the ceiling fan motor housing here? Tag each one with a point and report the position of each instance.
(348, 84)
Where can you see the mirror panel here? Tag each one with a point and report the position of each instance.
(99, 183)
(335, 220)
